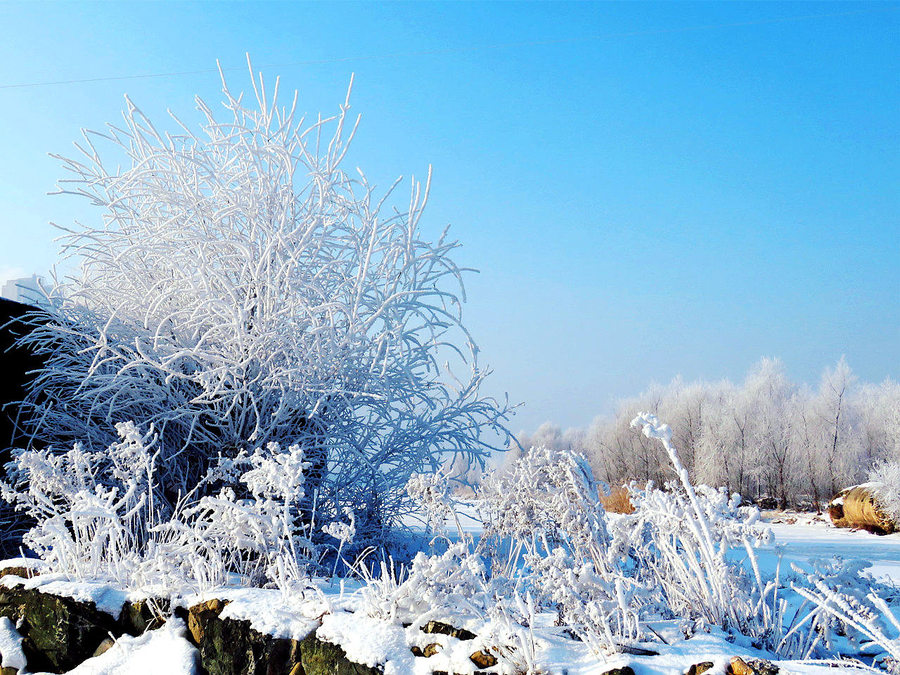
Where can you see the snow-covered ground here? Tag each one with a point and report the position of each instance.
(801, 542)
(369, 641)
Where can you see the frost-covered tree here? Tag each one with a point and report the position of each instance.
(878, 408)
(764, 437)
(719, 460)
(837, 443)
(685, 409)
(804, 434)
(772, 397)
(239, 286)
(616, 453)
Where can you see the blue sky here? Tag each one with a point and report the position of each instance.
(647, 189)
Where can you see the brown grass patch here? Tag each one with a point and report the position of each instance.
(859, 509)
(618, 501)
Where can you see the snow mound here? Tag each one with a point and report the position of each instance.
(166, 650)
(10, 646)
(369, 641)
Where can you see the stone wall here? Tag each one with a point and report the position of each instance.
(59, 633)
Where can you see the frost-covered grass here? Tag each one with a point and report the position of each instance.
(549, 579)
(553, 650)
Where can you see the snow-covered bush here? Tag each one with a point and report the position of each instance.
(432, 493)
(93, 510)
(601, 577)
(445, 586)
(691, 570)
(544, 550)
(257, 535)
(884, 478)
(681, 539)
(97, 516)
(240, 286)
(551, 542)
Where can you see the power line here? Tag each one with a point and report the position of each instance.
(457, 50)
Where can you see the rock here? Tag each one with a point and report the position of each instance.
(9, 671)
(699, 668)
(483, 659)
(232, 647)
(428, 650)
(323, 658)
(58, 633)
(738, 666)
(442, 628)
(624, 670)
(763, 667)
(144, 615)
(24, 572)
(200, 615)
(105, 646)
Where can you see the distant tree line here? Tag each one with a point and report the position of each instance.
(770, 439)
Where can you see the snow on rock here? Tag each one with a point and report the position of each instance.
(35, 564)
(165, 650)
(105, 598)
(270, 615)
(369, 641)
(11, 655)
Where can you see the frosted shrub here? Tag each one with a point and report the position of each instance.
(672, 554)
(449, 585)
(843, 609)
(240, 286)
(560, 504)
(681, 541)
(344, 533)
(97, 517)
(885, 477)
(432, 493)
(871, 618)
(93, 511)
(552, 541)
(259, 534)
(545, 548)
(682, 546)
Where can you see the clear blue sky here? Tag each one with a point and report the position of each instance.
(647, 189)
